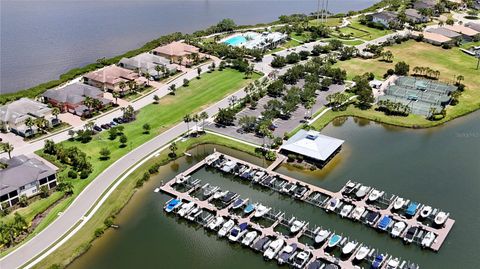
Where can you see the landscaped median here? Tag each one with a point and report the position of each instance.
(82, 240)
(170, 110)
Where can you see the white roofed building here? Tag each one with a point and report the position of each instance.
(313, 146)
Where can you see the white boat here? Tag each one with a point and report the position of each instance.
(332, 204)
(219, 194)
(321, 236)
(398, 228)
(249, 237)
(357, 212)
(296, 226)
(261, 210)
(428, 239)
(273, 249)
(185, 209)
(226, 227)
(393, 263)
(258, 176)
(362, 191)
(362, 253)
(289, 187)
(237, 232)
(182, 179)
(399, 202)
(286, 253)
(349, 247)
(346, 210)
(228, 166)
(374, 195)
(426, 211)
(193, 212)
(301, 259)
(216, 223)
(441, 217)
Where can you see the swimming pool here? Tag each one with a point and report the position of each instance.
(236, 40)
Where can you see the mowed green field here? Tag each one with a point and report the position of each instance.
(450, 63)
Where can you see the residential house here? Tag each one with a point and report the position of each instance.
(71, 98)
(313, 146)
(146, 63)
(13, 116)
(474, 26)
(110, 78)
(385, 18)
(433, 38)
(445, 32)
(415, 17)
(24, 176)
(466, 32)
(424, 4)
(177, 51)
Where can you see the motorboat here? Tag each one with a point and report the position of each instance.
(172, 204)
(374, 195)
(273, 249)
(362, 191)
(349, 188)
(226, 227)
(261, 210)
(399, 202)
(300, 192)
(362, 253)
(249, 208)
(334, 240)
(296, 226)
(428, 239)
(371, 217)
(289, 188)
(185, 209)
(238, 231)
(286, 253)
(219, 194)
(332, 204)
(246, 173)
(258, 176)
(411, 232)
(301, 259)
(261, 244)
(238, 203)
(269, 181)
(249, 237)
(209, 190)
(426, 211)
(412, 209)
(384, 223)
(357, 212)
(182, 179)
(378, 261)
(321, 236)
(191, 215)
(398, 228)
(229, 197)
(228, 166)
(440, 218)
(393, 263)
(349, 247)
(346, 210)
(216, 223)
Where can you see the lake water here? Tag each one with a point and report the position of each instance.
(42, 39)
(437, 166)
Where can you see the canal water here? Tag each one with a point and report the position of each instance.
(439, 167)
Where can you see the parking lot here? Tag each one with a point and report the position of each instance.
(282, 126)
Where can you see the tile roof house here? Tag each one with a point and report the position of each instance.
(24, 176)
(110, 77)
(71, 97)
(427, 4)
(467, 32)
(313, 146)
(433, 38)
(176, 50)
(414, 16)
(445, 32)
(473, 25)
(146, 62)
(13, 116)
(386, 18)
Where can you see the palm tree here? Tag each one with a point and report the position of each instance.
(147, 76)
(30, 122)
(41, 123)
(203, 117)
(55, 112)
(116, 95)
(7, 147)
(195, 119)
(187, 119)
(158, 68)
(172, 89)
(89, 125)
(460, 78)
(180, 60)
(173, 148)
(131, 85)
(122, 86)
(88, 102)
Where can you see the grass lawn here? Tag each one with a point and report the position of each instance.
(81, 241)
(211, 88)
(303, 37)
(332, 22)
(450, 63)
(373, 33)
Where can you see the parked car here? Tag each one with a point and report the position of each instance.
(112, 123)
(118, 120)
(105, 126)
(97, 128)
